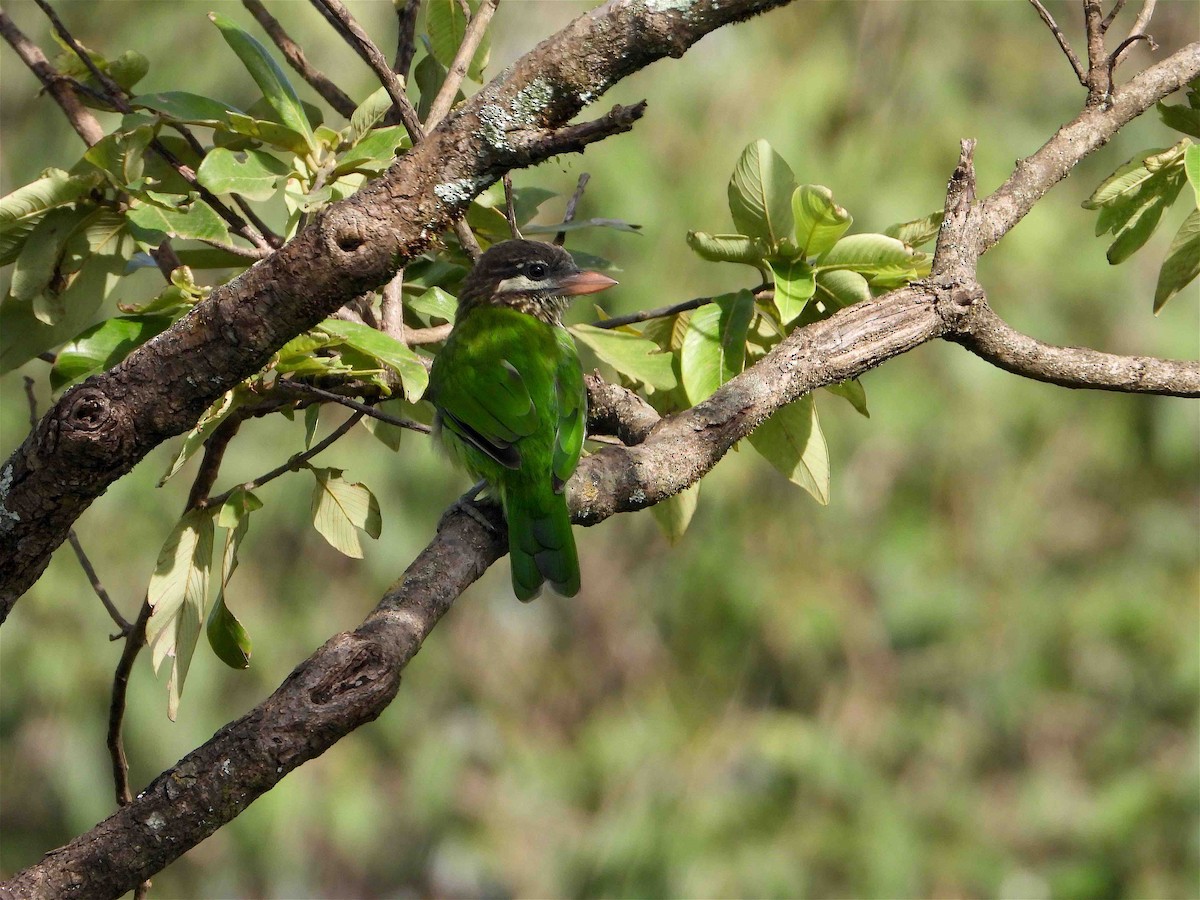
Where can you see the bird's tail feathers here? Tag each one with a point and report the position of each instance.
(542, 547)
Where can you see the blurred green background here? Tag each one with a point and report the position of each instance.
(974, 674)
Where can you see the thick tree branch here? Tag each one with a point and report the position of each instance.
(988, 336)
(101, 428)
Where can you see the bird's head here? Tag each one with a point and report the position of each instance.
(528, 276)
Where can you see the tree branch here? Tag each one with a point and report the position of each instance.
(80, 117)
(294, 54)
(99, 429)
(988, 336)
(406, 29)
(1080, 71)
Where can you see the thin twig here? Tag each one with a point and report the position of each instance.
(294, 54)
(335, 11)
(234, 250)
(1112, 14)
(762, 292)
(1140, 24)
(510, 211)
(569, 214)
(472, 37)
(353, 404)
(415, 336)
(134, 642)
(391, 307)
(406, 30)
(293, 464)
(1080, 72)
(78, 115)
(1115, 59)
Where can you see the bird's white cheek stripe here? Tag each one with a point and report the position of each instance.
(518, 284)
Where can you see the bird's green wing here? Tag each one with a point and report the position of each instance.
(572, 412)
(490, 408)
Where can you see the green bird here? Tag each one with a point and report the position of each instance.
(510, 401)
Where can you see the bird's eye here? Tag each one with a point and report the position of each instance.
(536, 271)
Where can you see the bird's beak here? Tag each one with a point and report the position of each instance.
(585, 283)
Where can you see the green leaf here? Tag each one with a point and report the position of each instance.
(254, 178)
(674, 514)
(714, 348)
(760, 194)
(177, 593)
(375, 152)
(267, 132)
(735, 248)
(213, 416)
(122, 154)
(97, 252)
(388, 434)
(446, 25)
(312, 416)
(340, 510)
(195, 220)
(13, 239)
(791, 441)
(795, 284)
(128, 69)
(429, 75)
(368, 114)
(1153, 199)
(853, 392)
(820, 222)
(396, 356)
(1181, 118)
(839, 288)
(192, 109)
(239, 505)
(632, 355)
(226, 635)
(1191, 166)
(41, 261)
(268, 76)
(918, 231)
(873, 254)
(434, 304)
(1125, 179)
(54, 188)
(1182, 263)
(103, 346)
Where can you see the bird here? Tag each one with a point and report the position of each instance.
(510, 404)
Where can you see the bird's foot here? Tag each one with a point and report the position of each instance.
(469, 503)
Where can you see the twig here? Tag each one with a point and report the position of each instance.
(234, 250)
(292, 465)
(391, 307)
(1080, 72)
(569, 214)
(1112, 14)
(361, 408)
(1097, 69)
(335, 11)
(1115, 59)
(1137, 32)
(762, 292)
(80, 117)
(406, 29)
(510, 211)
(472, 37)
(294, 54)
(134, 642)
(415, 336)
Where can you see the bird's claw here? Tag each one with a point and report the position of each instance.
(468, 503)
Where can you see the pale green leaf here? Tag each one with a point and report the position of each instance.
(54, 188)
(918, 231)
(368, 114)
(192, 109)
(196, 220)
(820, 222)
(1125, 179)
(446, 25)
(194, 440)
(714, 348)
(41, 260)
(434, 304)
(839, 288)
(630, 354)
(388, 434)
(791, 441)
(226, 635)
(396, 356)
(795, 283)
(177, 594)
(1191, 165)
(873, 254)
(375, 152)
(1182, 263)
(103, 346)
(853, 392)
(256, 177)
(736, 248)
(341, 509)
(1156, 196)
(267, 74)
(760, 194)
(674, 514)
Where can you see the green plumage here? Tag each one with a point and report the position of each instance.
(512, 409)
